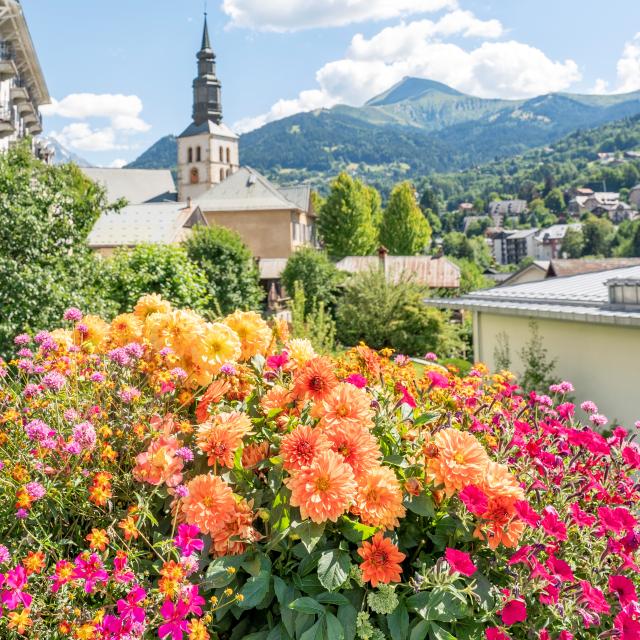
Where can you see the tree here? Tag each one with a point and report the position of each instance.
(471, 277)
(538, 372)
(317, 276)
(154, 268)
(429, 200)
(46, 214)
(232, 274)
(389, 314)
(554, 201)
(346, 220)
(457, 245)
(404, 230)
(573, 243)
(598, 236)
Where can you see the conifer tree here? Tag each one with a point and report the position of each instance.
(404, 230)
(346, 219)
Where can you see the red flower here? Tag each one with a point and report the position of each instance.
(437, 379)
(493, 633)
(513, 612)
(624, 588)
(594, 598)
(627, 623)
(527, 513)
(474, 499)
(616, 520)
(580, 517)
(460, 562)
(560, 568)
(631, 455)
(552, 524)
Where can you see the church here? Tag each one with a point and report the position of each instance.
(212, 189)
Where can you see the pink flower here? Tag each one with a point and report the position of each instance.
(513, 612)
(72, 314)
(437, 379)
(598, 419)
(407, 398)
(460, 562)
(593, 598)
(560, 569)
(631, 455)
(357, 380)
(552, 525)
(527, 514)
(474, 499)
(627, 623)
(129, 608)
(174, 614)
(54, 380)
(589, 407)
(624, 589)
(278, 361)
(187, 540)
(550, 595)
(580, 517)
(616, 520)
(432, 357)
(494, 633)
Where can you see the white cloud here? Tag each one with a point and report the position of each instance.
(628, 67)
(79, 135)
(507, 69)
(122, 111)
(118, 163)
(294, 15)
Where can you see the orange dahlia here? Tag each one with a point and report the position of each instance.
(344, 405)
(254, 333)
(379, 498)
(315, 380)
(221, 437)
(209, 504)
(357, 445)
(460, 460)
(277, 397)
(381, 560)
(236, 533)
(151, 303)
(254, 454)
(499, 481)
(299, 448)
(501, 524)
(325, 489)
(124, 329)
(212, 395)
(159, 463)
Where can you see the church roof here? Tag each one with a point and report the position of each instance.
(208, 127)
(300, 195)
(156, 223)
(245, 190)
(134, 185)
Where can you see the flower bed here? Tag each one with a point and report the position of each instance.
(163, 476)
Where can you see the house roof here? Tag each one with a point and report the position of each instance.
(208, 127)
(134, 185)
(508, 207)
(537, 265)
(574, 267)
(245, 190)
(155, 223)
(271, 268)
(556, 231)
(433, 272)
(300, 195)
(581, 298)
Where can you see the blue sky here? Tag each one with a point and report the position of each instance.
(120, 71)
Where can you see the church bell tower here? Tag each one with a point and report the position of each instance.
(207, 148)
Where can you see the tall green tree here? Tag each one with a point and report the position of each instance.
(554, 201)
(404, 229)
(573, 243)
(46, 214)
(233, 279)
(346, 220)
(598, 236)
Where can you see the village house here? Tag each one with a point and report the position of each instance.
(634, 197)
(598, 203)
(590, 323)
(511, 246)
(499, 210)
(548, 242)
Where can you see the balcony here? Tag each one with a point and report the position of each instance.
(6, 123)
(36, 128)
(7, 65)
(29, 115)
(19, 92)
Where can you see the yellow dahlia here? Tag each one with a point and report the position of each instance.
(254, 333)
(151, 303)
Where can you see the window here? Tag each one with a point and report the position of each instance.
(198, 154)
(190, 155)
(228, 155)
(228, 172)
(194, 177)
(221, 154)
(221, 175)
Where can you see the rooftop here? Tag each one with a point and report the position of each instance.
(136, 186)
(581, 298)
(574, 267)
(208, 127)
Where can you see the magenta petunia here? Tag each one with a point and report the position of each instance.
(513, 612)
(474, 499)
(460, 562)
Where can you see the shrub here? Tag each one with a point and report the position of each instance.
(233, 278)
(388, 314)
(153, 268)
(167, 477)
(316, 325)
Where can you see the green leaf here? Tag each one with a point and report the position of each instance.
(304, 621)
(422, 505)
(307, 605)
(331, 598)
(425, 418)
(333, 568)
(255, 590)
(309, 532)
(309, 584)
(420, 631)
(355, 531)
(218, 575)
(316, 632)
(438, 633)
(278, 633)
(347, 615)
(483, 590)
(398, 622)
(334, 630)
(439, 605)
(285, 593)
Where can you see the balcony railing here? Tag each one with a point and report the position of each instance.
(6, 51)
(6, 115)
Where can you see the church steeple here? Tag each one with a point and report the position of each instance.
(207, 100)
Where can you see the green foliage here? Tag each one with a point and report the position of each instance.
(598, 236)
(404, 230)
(233, 279)
(573, 243)
(555, 201)
(388, 314)
(317, 275)
(46, 213)
(316, 323)
(502, 352)
(538, 371)
(456, 245)
(150, 268)
(347, 218)
(471, 276)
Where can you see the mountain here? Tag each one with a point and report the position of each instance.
(63, 155)
(414, 128)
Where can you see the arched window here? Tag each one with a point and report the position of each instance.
(221, 175)
(189, 154)
(193, 176)
(228, 155)
(221, 154)
(198, 154)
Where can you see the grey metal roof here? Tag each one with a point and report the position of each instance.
(300, 195)
(134, 185)
(557, 231)
(208, 127)
(271, 268)
(518, 234)
(245, 190)
(582, 298)
(155, 223)
(433, 272)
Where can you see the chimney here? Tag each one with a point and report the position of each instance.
(383, 252)
(188, 202)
